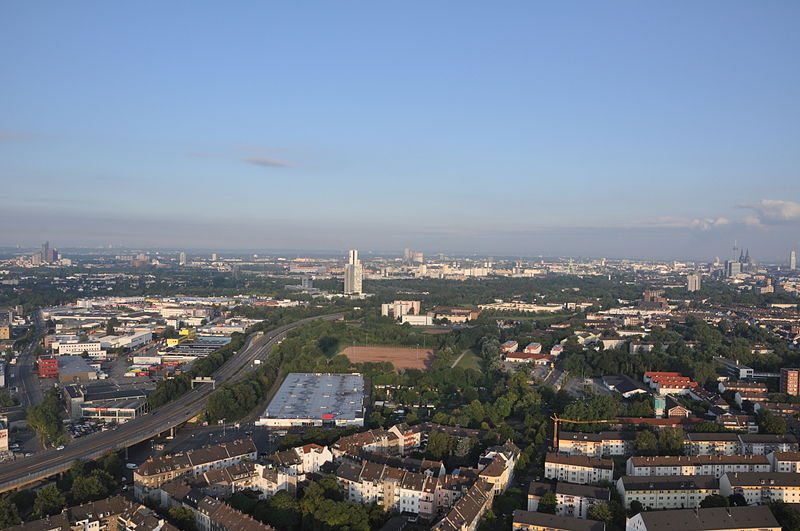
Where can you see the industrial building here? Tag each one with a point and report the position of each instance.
(118, 411)
(68, 369)
(314, 399)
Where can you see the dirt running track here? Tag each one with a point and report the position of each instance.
(400, 357)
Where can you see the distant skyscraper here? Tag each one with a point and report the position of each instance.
(693, 282)
(45, 251)
(213, 257)
(407, 255)
(352, 274)
(182, 258)
(793, 260)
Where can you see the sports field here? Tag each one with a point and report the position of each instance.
(400, 357)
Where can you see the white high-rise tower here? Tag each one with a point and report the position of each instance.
(793, 260)
(352, 274)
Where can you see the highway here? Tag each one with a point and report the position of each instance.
(25, 377)
(28, 470)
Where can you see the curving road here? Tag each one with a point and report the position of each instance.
(32, 469)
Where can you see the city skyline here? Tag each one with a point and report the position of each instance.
(621, 131)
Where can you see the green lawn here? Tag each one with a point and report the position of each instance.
(470, 360)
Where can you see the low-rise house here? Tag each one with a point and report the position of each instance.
(666, 492)
(740, 397)
(711, 519)
(534, 521)
(509, 346)
(746, 423)
(785, 461)
(702, 465)
(761, 487)
(578, 468)
(624, 385)
(600, 444)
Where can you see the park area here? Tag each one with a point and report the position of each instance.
(400, 357)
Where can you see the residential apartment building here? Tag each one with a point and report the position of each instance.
(790, 381)
(497, 464)
(535, 521)
(578, 468)
(301, 460)
(785, 461)
(468, 510)
(711, 519)
(605, 443)
(696, 465)
(763, 444)
(571, 500)
(156, 471)
(711, 443)
(666, 492)
(761, 487)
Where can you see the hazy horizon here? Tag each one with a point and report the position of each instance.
(618, 130)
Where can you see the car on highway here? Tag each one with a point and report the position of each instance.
(60, 447)
(131, 466)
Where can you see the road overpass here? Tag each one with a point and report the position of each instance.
(22, 472)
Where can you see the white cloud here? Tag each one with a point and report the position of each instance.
(774, 210)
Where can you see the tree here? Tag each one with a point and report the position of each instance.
(769, 422)
(645, 443)
(8, 514)
(670, 441)
(49, 501)
(88, 489)
(787, 517)
(548, 503)
(636, 508)
(714, 500)
(601, 511)
(182, 517)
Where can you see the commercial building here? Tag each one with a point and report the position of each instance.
(317, 399)
(398, 309)
(711, 519)
(94, 349)
(790, 381)
(578, 468)
(75, 369)
(114, 410)
(48, 367)
(666, 492)
(353, 274)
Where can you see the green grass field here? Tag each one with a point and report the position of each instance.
(470, 360)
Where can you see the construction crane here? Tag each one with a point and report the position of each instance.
(556, 420)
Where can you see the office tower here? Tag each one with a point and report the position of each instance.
(407, 254)
(213, 257)
(36, 259)
(789, 381)
(352, 274)
(182, 258)
(793, 260)
(733, 269)
(306, 282)
(45, 251)
(693, 282)
(417, 257)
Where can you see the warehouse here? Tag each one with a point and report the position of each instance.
(306, 399)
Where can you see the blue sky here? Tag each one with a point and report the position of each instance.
(634, 129)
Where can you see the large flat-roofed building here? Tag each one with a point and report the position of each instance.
(317, 399)
(710, 519)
